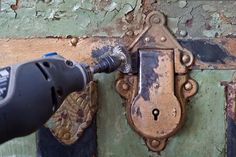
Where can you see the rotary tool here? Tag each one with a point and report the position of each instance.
(31, 92)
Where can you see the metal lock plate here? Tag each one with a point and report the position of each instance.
(157, 95)
(156, 103)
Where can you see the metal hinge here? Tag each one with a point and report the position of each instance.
(156, 97)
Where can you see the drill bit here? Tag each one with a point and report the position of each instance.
(111, 62)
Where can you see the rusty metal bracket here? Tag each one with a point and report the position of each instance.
(156, 97)
(74, 116)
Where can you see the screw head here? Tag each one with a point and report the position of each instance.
(163, 39)
(185, 59)
(183, 33)
(188, 86)
(155, 143)
(74, 41)
(156, 20)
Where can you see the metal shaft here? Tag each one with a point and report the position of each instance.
(107, 64)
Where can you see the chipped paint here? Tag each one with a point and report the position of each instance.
(173, 24)
(182, 3)
(214, 26)
(57, 17)
(205, 122)
(202, 19)
(149, 62)
(209, 8)
(62, 18)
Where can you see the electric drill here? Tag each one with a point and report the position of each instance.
(31, 92)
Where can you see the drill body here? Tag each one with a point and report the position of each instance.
(31, 92)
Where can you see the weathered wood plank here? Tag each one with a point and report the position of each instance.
(13, 51)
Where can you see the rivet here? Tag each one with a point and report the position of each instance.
(125, 86)
(188, 86)
(155, 143)
(74, 41)
(185, 59)
(84, 36)
(163, 39)
(147, 39)
(183, 33)
(156, 20)
(129, 33)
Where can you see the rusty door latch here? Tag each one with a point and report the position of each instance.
(156, 95)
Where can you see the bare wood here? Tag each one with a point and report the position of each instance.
(18, 50)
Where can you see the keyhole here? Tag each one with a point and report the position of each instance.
(155, 113)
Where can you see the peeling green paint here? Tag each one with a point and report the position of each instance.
(63, 17)
(198, 17)
(215, 26)
(182, 3)
(173, 24)
(78, 17)
(19, 147)
(209, 8)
